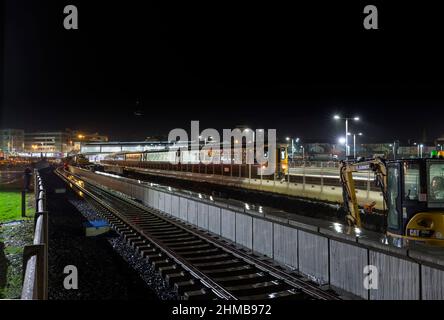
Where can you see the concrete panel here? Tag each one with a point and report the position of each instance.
(202, 215)
(432, 283)
(175, 206)
(183, 209)
(146, 195)
(155, 199)
(167, 203)
(285, 241)
(313, 256)
(192, 212)
(151, 198)
(263, 237)
(138, 192)
(161, 201)
(244, 230)
(398, 278)
(347, 264)
(228, 227)
(214, 219)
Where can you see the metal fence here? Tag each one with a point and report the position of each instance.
(35, 256)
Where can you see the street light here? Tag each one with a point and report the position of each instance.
(303, 152)
(293, 143)
(354, 142)
(337, 117)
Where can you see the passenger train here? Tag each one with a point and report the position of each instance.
(193, 157)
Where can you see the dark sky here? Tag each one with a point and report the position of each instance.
(264, 65)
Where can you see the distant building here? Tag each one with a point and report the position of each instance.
(80, 138)
(440, 142)
(12, 140)
(48, 142)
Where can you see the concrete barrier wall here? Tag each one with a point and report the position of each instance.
(347, 264)
(322, 256)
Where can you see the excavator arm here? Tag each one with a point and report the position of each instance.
(347, 168)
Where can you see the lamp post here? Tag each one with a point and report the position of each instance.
(337, 117)
(354, 141)
(294, 143)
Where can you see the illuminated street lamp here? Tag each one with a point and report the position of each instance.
(354, 142)
(293, 143)
(337, 117)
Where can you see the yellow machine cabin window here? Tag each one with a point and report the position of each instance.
(392, 198)
(436, 184)
(411, 181)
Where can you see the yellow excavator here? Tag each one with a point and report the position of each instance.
(413, 192)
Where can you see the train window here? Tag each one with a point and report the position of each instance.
(411, 181)
(436, 183)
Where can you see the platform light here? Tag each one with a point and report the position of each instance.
(356, 118)
(341, 140)
(336, 117)
(337, 227)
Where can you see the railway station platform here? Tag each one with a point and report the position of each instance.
(315, 191)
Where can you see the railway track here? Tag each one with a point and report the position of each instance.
(196, 264)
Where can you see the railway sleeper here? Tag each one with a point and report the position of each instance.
(190, 254)
(183, 244)
(181, 276)
(173, 232)
(188, 248)
(202, 294)
(210, 258)
(180, 240)
(263, 295)
(145, 249)
(161, 263)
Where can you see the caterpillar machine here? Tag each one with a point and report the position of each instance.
(413, 192)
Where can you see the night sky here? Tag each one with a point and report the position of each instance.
(263, 65)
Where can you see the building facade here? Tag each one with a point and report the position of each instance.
(11, 140)
(48, 142)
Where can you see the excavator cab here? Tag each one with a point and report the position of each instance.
(413, 191)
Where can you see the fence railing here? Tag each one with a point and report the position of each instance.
(35, 256)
